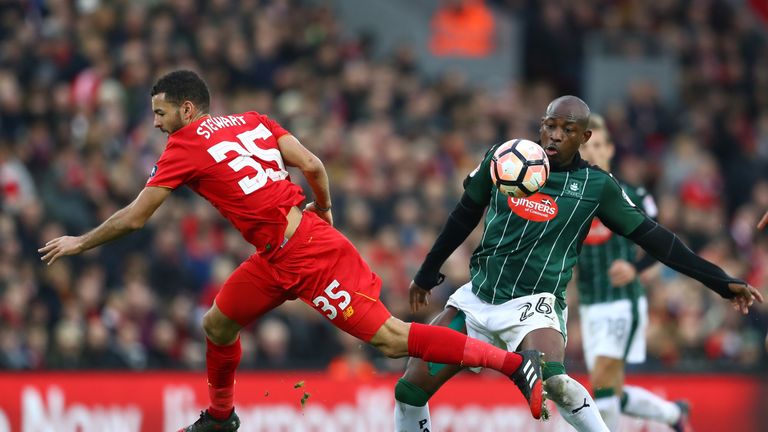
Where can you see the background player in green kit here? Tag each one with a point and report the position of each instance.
(520, 269)
(613, 307)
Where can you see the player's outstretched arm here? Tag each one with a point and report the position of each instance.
(296, 155)
(621, 216)
(124, 221)
(670, 250)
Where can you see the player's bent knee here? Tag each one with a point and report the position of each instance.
(411, 394)
(218, 328)
(607, 373)
(560, 389)
(392, 338)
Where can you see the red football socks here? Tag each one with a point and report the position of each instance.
(221, 362)
(444, 345)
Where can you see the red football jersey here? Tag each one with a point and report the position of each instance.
(234, 162)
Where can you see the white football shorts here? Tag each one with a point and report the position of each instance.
(505, 325)
(614, 329)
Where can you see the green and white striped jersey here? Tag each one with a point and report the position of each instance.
(601, 248)
(530, 245)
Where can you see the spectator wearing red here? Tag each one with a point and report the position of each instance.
(462, 28)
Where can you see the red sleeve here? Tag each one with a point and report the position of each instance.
(174, 168)
(273, 126)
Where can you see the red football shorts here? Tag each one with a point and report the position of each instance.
(319, 266)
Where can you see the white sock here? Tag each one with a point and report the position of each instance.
(409, 418)
(610, 411)
(575, 404)
(644, 404)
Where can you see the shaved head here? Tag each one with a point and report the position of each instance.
(569, 108)
(564, 129)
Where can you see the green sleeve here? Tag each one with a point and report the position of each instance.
(478, 184)
(616, 210)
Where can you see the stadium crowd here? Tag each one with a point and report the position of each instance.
(77, 143)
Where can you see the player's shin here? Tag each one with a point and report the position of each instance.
(639, 402)
(444, 345)
(609, 405)
(221, 362)
(409, 418)
(574, 403)
(411, 408)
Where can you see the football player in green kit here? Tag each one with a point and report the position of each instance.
(520, 269)
(613, 307)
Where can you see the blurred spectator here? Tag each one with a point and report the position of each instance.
(12, 350)
(130, 349)
(18, 189)
(273, 343)
(163, 350)
(67, 352)
(99, 352)
(353, 362)
(462, 28)
(554, 45)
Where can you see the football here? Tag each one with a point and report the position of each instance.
(519, 168)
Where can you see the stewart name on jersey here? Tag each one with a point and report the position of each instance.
(235, 163)
(530, 245)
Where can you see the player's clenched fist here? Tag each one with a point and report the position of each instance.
(418, 296)
(621, 273)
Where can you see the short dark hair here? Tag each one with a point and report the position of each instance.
(183, 85)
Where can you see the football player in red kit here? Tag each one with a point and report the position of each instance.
(237, 162)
